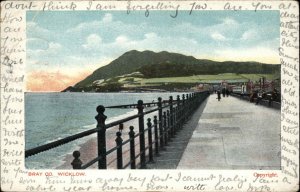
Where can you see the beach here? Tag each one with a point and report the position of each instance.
(88, 149)
(71, 113)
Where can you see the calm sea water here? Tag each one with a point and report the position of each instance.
(51, 116)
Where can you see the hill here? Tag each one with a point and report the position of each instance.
(165, 64)
(206, 68)
(131, 61)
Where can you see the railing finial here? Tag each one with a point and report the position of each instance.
(140, 106)
(100, 109)
(100, 118)
(159, 102)
(76, 163)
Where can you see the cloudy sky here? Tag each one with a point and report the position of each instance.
(65, 47)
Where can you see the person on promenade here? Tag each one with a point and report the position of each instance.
(259, 97)
(223, 92)
(227, 92)
(273, 97)
(253, 96)
(219, 95)
(274, 94)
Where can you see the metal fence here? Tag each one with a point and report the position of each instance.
(143, 143)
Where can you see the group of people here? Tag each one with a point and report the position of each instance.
(225, 92)
(261, 94)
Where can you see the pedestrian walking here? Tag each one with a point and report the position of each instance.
(227, 92)
(259, 97)
(219, 95)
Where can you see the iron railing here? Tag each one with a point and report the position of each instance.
(169, 118)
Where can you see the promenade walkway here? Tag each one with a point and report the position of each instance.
(234, 134)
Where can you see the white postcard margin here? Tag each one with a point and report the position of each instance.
(14, 176)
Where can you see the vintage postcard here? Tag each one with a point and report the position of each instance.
(149, 96)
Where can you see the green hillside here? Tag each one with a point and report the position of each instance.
(231, 77)
(165, 64)
(206, 68)
(135, 70)
(131, 61)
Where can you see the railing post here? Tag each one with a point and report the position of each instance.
(191, 104)
(160, 123)
(172, 115)
(175, 119)
(119, 141)
(187, 106)
(76, 163)
(132, 147)
(140, 108)
(183, 110)
(156, 135)
(169, 125)
(178, 116)
(196, 99)
(165, 129)
(101, 136)
(150, 144)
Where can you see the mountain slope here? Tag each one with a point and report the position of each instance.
(165, 64)
(131, 61)
(203, 68)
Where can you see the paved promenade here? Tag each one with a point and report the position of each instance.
(234, 134)
(170, 157)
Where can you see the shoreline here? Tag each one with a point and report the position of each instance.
(88, 149)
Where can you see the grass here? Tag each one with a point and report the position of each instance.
(129, 81)
(208, 78)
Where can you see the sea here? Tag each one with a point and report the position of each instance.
(53, 116)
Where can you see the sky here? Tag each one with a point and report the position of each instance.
(65, 47)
